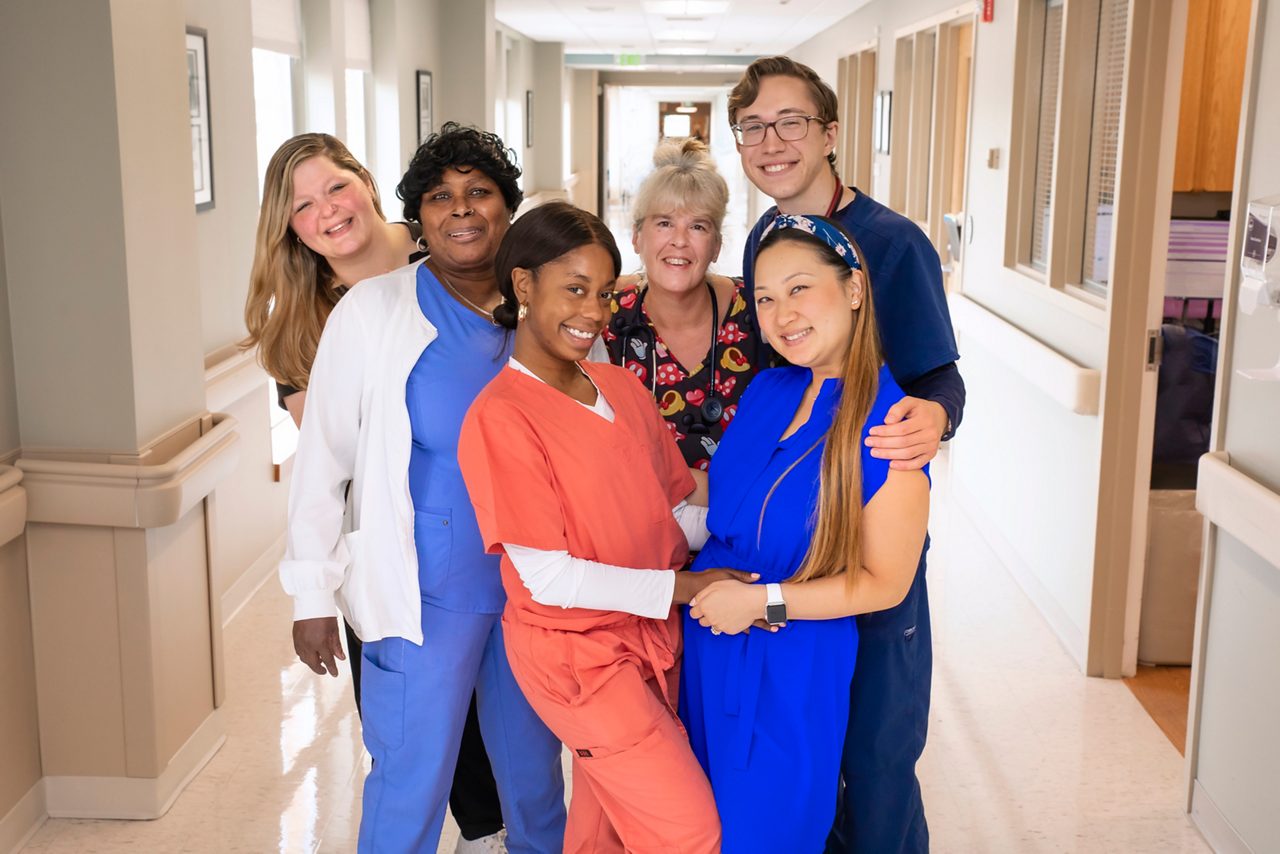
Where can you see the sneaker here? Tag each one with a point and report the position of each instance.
(494, 843)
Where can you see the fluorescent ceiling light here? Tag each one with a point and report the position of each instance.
(685, 36)
(686, 107)
(682, 51)
(686, 7)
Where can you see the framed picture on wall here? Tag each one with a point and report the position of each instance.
(425, 103)
(882, 110)
(528, 118)
(198, 101)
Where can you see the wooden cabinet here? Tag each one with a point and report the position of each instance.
(1212, 84)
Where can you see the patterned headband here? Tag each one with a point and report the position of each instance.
(821, 229)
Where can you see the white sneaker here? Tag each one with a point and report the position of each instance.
(494, 843)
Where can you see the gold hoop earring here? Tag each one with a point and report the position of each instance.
(523, 311)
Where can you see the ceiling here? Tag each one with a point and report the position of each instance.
(675, 28)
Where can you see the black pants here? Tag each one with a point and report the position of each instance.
(474, 797)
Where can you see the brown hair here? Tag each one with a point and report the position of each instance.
(683, 176)
(748, 89)
(291, 288)
(836, 546)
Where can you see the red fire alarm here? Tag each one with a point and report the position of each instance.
(988, 10)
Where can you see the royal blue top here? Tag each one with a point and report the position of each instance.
(767, 713)
(453, 569)
(910, 303)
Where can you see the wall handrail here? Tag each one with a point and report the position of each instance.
(1075, 387)
(1239, 505)
(13, 504)
(131, 496)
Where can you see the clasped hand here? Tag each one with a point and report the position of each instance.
(730, 607)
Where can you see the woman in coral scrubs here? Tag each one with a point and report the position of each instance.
(546, 450)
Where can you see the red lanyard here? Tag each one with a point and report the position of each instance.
(835, 199)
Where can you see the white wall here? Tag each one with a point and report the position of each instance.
(1239, 743)
(1025, 466)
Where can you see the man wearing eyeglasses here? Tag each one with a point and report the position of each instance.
(784, 121)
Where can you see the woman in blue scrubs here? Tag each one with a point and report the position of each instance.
(399, 363)
(797, 497)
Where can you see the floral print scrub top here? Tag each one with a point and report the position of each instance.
(680, 390)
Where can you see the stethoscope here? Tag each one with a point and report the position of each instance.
(711, 410)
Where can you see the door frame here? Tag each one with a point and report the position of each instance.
(1144, 192)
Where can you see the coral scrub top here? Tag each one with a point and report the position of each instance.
(545, 472)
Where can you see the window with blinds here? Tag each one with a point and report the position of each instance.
(1046, 134)
(1104, 143)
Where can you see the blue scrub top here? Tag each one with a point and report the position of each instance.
(767, 713)
(906, 284)
(453, 569)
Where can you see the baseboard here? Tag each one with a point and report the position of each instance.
(21, 823)
(1068, 634)
(251, 580)
(135, 797)
(1213, 825)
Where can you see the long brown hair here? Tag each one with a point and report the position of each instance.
(836, 546)
(291, 288)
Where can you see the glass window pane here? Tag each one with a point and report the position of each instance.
(1104, 143)
(1050, 74)
(272, 104)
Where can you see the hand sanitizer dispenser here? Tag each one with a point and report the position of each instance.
(1259, 266)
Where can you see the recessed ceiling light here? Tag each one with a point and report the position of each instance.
(600, 8)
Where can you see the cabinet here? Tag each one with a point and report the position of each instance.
(1212, 84)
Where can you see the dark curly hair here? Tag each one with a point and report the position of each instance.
(459, 145)
(540, 236)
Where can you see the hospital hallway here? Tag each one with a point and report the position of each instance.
(1067, 220)
(1023, 755)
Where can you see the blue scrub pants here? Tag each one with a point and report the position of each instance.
(880, 809)
(415, 703)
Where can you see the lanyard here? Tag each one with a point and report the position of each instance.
(835, 199)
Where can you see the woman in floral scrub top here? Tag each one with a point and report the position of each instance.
(662, 325)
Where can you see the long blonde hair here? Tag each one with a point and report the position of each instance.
(836, 546)
(291, 288)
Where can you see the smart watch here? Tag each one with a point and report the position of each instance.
(775, 609)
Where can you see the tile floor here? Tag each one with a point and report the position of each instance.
(1024, 755)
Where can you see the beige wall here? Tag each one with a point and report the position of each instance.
(19, 733)
(9, 439)
(1023, 464)
(406, 39)
(224, 235)
(585, 109)
(466, 82)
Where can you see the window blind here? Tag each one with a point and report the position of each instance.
(1104, 142)
(359, 35)
(277, 26)
(1050, 74)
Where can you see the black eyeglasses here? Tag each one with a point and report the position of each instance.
(789, 128)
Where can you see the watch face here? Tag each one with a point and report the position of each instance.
(775, 614)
